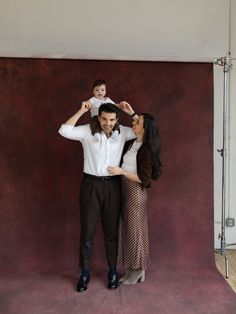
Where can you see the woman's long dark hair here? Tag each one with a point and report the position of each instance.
(152, 140)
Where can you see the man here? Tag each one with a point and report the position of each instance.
(100, 192)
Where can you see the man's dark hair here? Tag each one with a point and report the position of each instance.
(99, 83)
(108, 107)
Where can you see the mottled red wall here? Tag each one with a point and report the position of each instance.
(40, 171)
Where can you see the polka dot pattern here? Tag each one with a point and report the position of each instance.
(133, 229)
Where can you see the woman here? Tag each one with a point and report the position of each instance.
(141, 163)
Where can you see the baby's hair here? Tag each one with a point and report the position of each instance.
(99, 83)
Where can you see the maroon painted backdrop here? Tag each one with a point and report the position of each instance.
(40, 172)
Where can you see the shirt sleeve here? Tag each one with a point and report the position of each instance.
(144, 167)
(128, 132)
(76, 133)
(92, 100)
(109, 100)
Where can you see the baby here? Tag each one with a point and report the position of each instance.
(99, 92)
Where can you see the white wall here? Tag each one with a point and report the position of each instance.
(159, 30)
(111, 29)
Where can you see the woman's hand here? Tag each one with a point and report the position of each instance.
(126, 107)
(115, 171)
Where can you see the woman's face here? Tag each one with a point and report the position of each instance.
(138, 126)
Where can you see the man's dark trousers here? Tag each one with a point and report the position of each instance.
(99, 196)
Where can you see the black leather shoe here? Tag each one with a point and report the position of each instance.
(112, 281)
(82, 284)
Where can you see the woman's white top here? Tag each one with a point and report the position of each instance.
(130, 158)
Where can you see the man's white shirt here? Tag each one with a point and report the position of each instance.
(99, 151)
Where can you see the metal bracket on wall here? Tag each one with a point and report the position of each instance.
(230, 222)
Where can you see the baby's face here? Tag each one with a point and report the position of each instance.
(99, 91)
